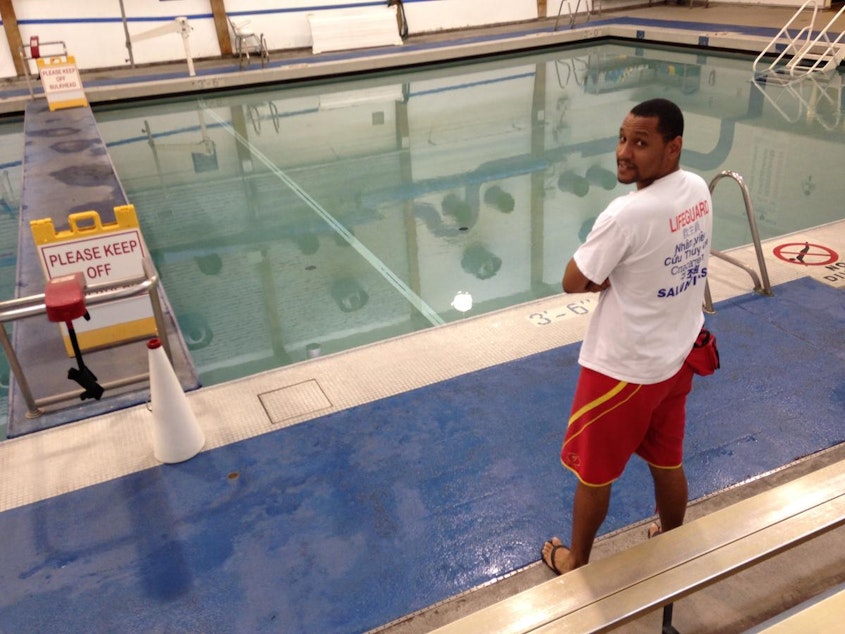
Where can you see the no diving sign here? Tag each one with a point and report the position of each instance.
(806, 254)
(814, 255)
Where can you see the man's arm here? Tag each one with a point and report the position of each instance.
(574, 281)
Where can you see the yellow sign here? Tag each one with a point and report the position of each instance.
(103, 253)
(61, 82)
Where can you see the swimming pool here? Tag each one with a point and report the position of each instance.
(309, 219)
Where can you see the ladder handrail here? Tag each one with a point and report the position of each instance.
(831, 46)
(787, 50)
(27, 58)
(764, 288)
(803, 47)
(785, 29)
(824, 31)
(572, 16)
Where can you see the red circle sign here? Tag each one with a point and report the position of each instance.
(806, 254)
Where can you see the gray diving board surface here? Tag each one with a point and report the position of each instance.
(67, 170)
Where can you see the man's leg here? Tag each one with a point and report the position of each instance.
(589, 508)
(671, 494)
(664, 445)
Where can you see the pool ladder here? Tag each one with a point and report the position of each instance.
(761, 281)
(572, 14)
(804, 52)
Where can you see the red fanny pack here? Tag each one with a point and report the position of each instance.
(704, 356)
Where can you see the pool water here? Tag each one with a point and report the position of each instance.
(11, 150)
(303, 220)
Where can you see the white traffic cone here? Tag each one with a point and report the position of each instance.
(176, 433)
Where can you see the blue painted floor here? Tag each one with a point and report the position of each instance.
(352, 520)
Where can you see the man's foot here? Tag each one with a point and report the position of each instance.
(654, 530)
(556, 555)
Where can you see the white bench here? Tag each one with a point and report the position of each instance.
(346, 29)
(610, 592)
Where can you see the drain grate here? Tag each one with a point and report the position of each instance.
(294, 401)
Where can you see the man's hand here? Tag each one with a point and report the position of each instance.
(574, 281)
(592, 287)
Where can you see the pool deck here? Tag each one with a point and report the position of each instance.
(325, 498)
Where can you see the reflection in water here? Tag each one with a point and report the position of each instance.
(478, 261)
(496, 197)
(195, 330)
(478, 180)
(464, 215)
(573, 183)
(349, 295)
(601, 177)
(462, 302)
(210, 264)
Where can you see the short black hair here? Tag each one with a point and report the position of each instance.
(670, 119)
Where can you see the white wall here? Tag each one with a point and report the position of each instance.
(94, 30)
(94, 34)
(438, 15)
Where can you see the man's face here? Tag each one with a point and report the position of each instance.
(642, 155)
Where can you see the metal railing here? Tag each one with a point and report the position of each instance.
(800, 53)
(27, 55)
(572, 14)
(34, 306)
(763, 287)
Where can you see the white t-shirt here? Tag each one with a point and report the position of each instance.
(654, 245)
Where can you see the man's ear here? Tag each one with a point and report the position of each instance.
(675, 146)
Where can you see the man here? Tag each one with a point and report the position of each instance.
(647, 256)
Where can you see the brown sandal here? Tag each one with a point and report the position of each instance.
(551, 561)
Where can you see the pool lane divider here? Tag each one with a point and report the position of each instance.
(415, 300)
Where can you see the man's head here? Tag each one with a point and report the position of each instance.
(650, 141)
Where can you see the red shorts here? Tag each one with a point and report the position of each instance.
(612, 420)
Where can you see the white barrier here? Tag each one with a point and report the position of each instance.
(347, 29)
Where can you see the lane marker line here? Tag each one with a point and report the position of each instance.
(415, 300)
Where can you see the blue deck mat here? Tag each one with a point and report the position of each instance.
(352, 520)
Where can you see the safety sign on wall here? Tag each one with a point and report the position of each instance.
(61, 82)
(104, 253)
